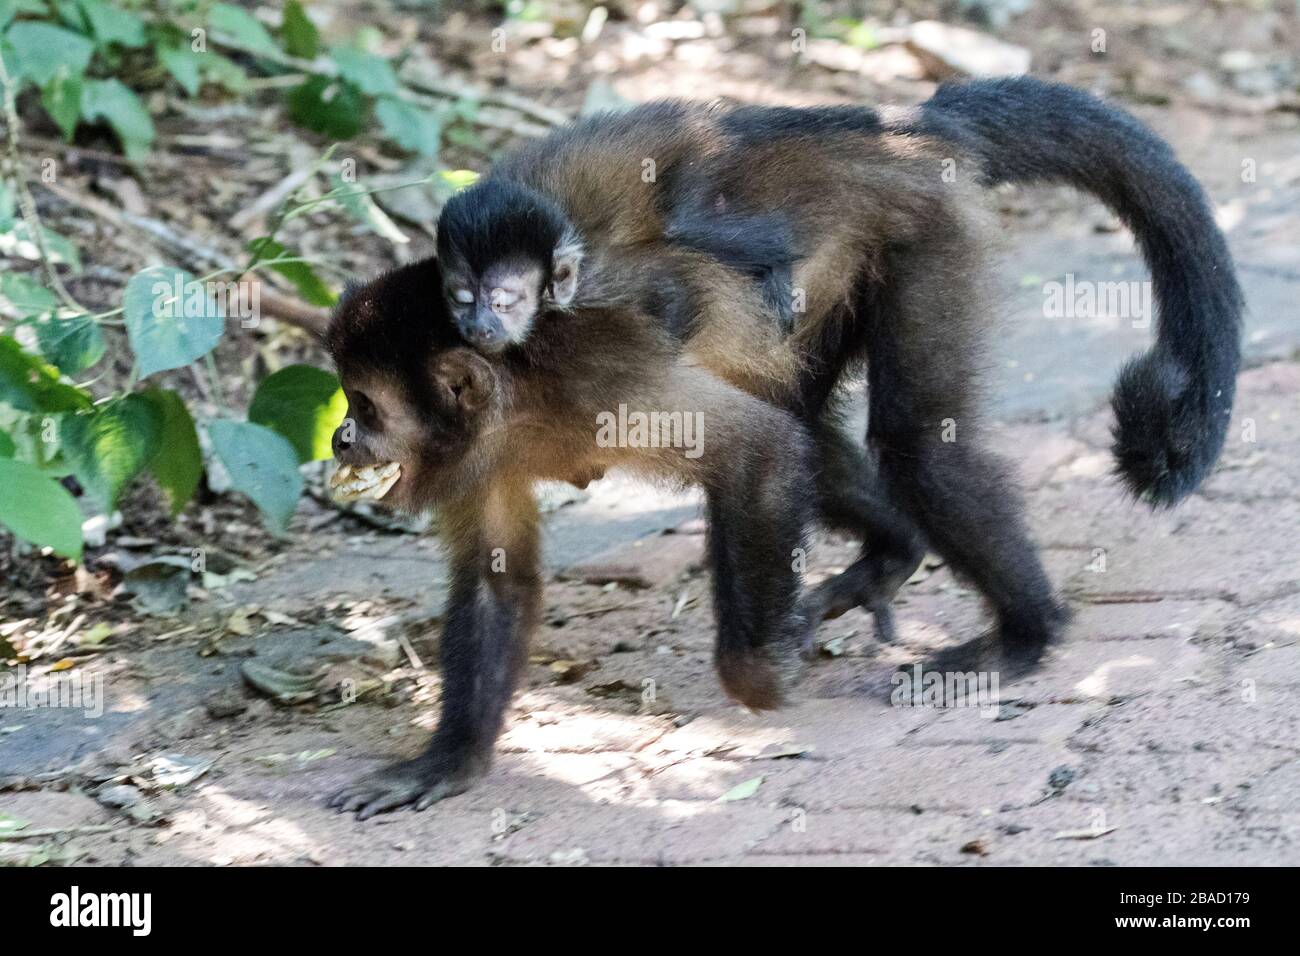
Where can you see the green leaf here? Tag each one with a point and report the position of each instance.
(409, 126)
(327, 106)
(26, 296)
(305, 405)
(111, 24)
(61, 98)
(7, 10)
(170, 319)
(185, 67)
(62, 250)
(73, 344)
(225, 73)
(370, 73)
(459, 179)
(357, 201)
(299, 33)
(36, 508)
(29, 385)
(262, 465)
(114, 103)
(242, 27)
(7, 446)
(17, 241)
(7, 204)
(42, 49)
(178, 462)
(68, 13)
(111, 445)
(305, 279)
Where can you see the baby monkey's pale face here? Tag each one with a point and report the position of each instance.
(498, 308)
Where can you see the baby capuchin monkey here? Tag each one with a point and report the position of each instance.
(508, 254)
(528, 239)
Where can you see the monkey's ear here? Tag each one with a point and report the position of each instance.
(464, 380)
(565, 261)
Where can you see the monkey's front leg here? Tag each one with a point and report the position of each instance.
(492, 609)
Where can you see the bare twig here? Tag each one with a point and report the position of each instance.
(543, 117)
(57, 831)
(272, 198)
(197, 255)
(26, 203)
(425, 82)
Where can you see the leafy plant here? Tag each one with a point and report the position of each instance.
(51, 426)
(85, 61)
(87, 58)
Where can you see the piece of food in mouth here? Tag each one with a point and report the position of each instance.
(369, 482)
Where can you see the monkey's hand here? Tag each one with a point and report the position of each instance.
(434, 775)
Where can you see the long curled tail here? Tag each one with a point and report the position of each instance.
(1172, 405)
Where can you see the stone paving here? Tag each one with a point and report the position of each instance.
(1164, 730)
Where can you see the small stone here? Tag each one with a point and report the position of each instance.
(224, 703)
(1061, 777)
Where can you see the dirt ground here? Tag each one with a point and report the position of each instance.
(1164, 730)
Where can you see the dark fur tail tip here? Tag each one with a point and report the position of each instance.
(1168, 431)
(751, 679)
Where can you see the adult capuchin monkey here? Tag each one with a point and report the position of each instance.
(888, 255)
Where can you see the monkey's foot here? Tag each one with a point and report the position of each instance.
(870, 582)
(1024, 637)
(761, 677)
(419, 783)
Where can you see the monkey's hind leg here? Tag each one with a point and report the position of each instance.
(755, 469)
(850, 497)
(923, 352)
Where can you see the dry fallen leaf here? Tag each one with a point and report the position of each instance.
(779, 751)
(567, 671)
(742, 791)
(241, 621)
(1092, 834)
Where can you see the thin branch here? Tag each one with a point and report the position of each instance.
(39, 832)
(543, 117)
(198, 256)
(26, 203)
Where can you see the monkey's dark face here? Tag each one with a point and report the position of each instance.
(496, 308)
(416, 395)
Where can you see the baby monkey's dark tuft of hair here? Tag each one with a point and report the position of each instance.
(499, 220)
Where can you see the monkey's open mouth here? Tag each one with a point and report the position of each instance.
(369, 482)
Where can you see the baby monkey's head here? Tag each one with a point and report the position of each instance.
(507, 253)
(417, 396)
